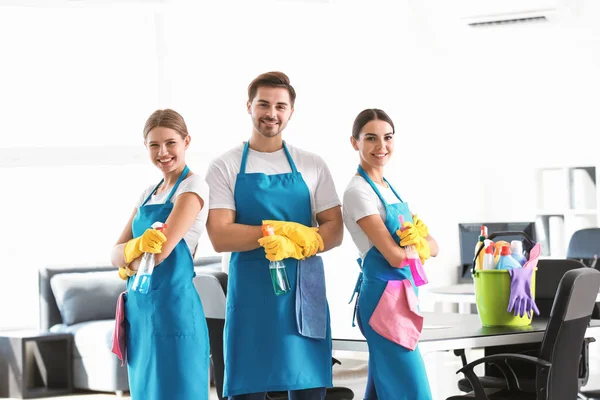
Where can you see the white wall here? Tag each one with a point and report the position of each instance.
(475, 111)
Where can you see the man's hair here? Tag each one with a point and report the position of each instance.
(274, 79)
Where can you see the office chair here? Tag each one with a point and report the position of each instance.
(548, 277)
(558, 360)
(584, 245)
(212, 288)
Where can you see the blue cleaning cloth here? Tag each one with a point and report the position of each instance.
(311, 299)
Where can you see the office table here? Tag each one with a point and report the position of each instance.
(447, 331)
(463, 294)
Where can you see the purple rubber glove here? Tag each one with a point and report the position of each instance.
(521, 302)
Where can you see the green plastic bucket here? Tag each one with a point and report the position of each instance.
(492, 292)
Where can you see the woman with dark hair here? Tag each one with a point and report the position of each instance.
(386, 306)
(166, 332)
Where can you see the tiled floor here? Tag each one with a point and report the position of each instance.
(351, 374)
(441, 370)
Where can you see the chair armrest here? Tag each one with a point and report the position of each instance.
(500, 360)
(461, 353)
(584, 362)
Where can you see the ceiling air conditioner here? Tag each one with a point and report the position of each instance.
(480, 13)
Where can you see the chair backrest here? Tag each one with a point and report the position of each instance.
(584, 244)
(211, 285)
(563, 340)
(547, 282)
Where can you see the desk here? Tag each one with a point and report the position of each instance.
(443, 332)
(463, 294)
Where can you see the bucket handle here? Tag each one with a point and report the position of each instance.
(494, 235)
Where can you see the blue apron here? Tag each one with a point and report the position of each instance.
(167, 336)
(398, 373)
(263, 349)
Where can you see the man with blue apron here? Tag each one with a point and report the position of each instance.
(270, 343)
(396, 372)
(167, 336)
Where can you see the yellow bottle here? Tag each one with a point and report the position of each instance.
(480, 244)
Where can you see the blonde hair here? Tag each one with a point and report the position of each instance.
(166, 118)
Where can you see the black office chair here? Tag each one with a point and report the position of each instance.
(584, 246)
(212, 288)
(557, 364)
(548, 277)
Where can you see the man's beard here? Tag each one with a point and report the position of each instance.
(268, 132)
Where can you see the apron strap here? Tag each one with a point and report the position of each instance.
(152, 192)
(245, 158)
(289, 157)
(183, 174)
(181, 177)
(356, 292)
(362, 173)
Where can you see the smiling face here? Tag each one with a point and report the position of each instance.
(375, 143)
(270, 109)
(167, 148)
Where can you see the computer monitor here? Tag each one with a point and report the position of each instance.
(468, 235)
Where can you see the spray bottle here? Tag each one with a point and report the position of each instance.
(279, 278)
(488, 256)
(413, 260)
(141, 283)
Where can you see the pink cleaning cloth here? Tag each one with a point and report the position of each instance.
(119, 346)
(397, 317)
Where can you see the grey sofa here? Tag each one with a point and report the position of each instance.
(82, 301)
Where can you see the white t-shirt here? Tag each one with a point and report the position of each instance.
(222, 175)
(195, 184)
(360, 200)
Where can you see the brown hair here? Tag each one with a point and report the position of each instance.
(166, 118)
(271, 79)
(368, 115)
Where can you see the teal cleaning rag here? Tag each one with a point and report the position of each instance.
(311, 299)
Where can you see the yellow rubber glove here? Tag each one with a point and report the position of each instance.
(278, 247)
(151, 241)
(123, 274)
(409, 236)
(423, 250)
(421, 227)
(304, 236)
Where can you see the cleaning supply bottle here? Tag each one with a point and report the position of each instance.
(516, 250)
(141, 283)
(506, 261)
(414, 261)
(498, 248)
(488, 256)
(479, 257)
(279, 278)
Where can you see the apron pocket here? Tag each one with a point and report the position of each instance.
(397, 317)
(174, 312)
